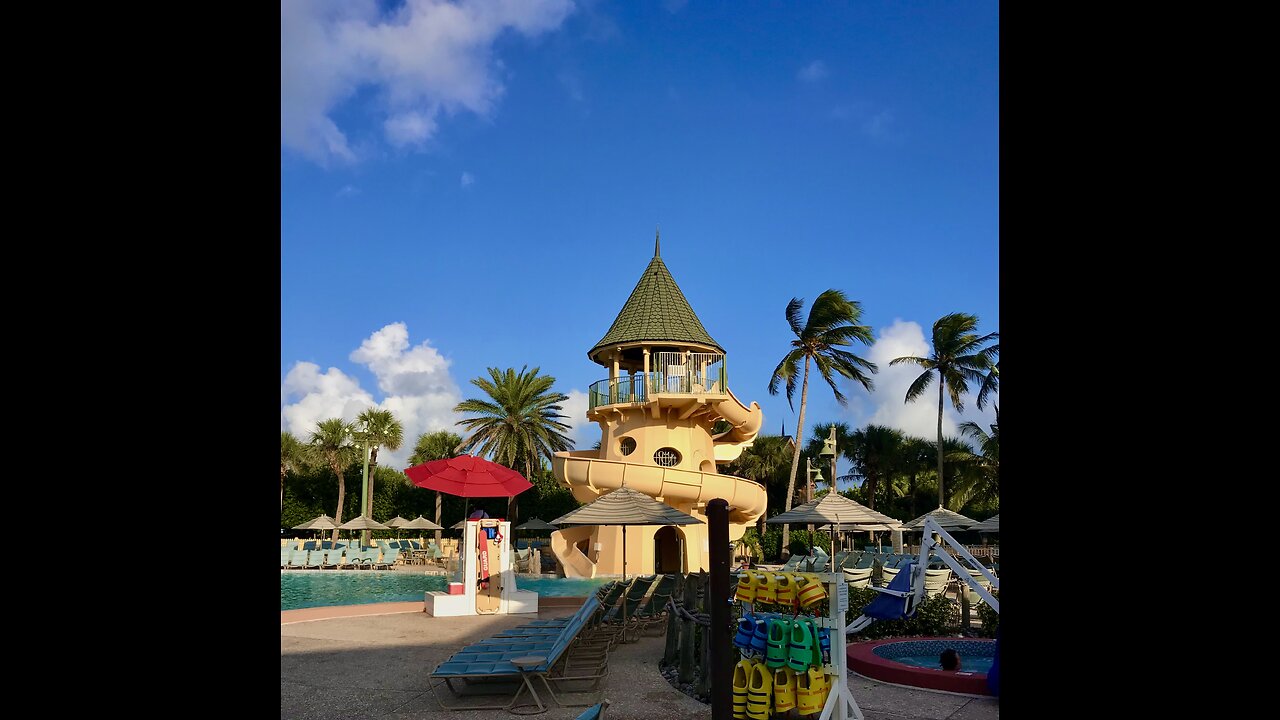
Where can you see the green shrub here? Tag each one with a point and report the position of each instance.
(771, 541)
(989, 617)
(936, 615)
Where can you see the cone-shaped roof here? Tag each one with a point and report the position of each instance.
(991, 524)
(656, 311)
(419, 523)
(363, 523)
(322, 522)
(625, 506)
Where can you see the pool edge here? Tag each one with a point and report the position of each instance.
(864, 662)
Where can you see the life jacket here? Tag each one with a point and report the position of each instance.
(800, 654)
(746, 628)
(811, 691)
(766, 588)
(785, 589)
(759, 637)
(784, 690)
(759, 692)
(741, 676)
(812, 591)
(824, 642)
(746, 587)
(779, 638)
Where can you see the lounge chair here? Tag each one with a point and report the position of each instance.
(838, 560)
(333, 559)
(653, 610)
(595, 712)
(858, 578)
(792, 564)
(297, 559)
(538, 661)
(819, 564)
(285, 553)
(315, 559)
(389, 558)
(935, 581)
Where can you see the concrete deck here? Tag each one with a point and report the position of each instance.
(372, 661)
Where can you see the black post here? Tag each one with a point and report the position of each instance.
(718, 599)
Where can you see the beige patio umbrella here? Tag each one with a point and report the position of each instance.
(947, 520)
(990, 525)
(322, 522)
(420, 523)
(833, 508)
(361, 522)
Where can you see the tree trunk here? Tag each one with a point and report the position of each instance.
(282, 472)
(373, 465)
(795, 460)
(912, 485)
(439, 504)
(873, 483)
(941, 384)
(342, 496)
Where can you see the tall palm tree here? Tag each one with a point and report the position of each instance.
(984, 480)
(291, 458)
(959, 358)
(519, 424)
(916, 457)
(331, 443)
(832, 324)
(877, 454)
(378, 428)
(435, 446)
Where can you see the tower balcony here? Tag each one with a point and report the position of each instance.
(677, 375)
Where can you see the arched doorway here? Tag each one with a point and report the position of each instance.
(668, 550)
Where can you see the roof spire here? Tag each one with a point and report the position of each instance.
(657, 242)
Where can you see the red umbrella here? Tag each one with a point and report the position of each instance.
(468, 476)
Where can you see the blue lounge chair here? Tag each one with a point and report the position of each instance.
(389, 558)
(895, 602)
(298, 558)
(496, 661)
(595, 712)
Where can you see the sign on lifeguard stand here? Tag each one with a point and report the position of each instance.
(488, 578)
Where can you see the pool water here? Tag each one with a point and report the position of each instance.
(968, 663)
(302, 589)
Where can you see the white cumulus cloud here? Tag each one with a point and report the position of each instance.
(425, 58)
(583, 432)
(887, 406)
(415, 381)
(466, 180)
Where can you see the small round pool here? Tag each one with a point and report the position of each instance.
(303, 589)
(915, 663)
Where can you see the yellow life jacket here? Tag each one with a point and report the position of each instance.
(784, 690)
(741, 676)
(779, 639)
(812, 591)
(746, 587)
(810, 691)
(800, 651)
(759, 692)
(786, 590)
(766, 588)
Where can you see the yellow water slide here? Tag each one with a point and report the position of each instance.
(746, 422)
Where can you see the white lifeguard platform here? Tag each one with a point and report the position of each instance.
(500, 595)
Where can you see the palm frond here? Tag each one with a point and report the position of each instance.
(919, 385)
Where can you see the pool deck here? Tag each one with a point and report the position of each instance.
(373, 661)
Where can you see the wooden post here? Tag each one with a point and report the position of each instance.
(721, 656)
(686, 632)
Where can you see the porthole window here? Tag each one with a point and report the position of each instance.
(667, 457)
(627, 446)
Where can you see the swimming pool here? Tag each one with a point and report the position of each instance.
(915, 663)
(301, 589)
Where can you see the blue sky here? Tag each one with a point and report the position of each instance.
(477, 184)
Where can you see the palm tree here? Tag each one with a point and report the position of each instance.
(291, 458)
(518, 425)
(765, 461)
(877, 453)
(378, 428)
(331, 444)
(959, 358)
(916, 457)
(984, 480)
(832, 324)
(435, 446)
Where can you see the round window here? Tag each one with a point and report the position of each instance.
(627, 446)
(667, 457)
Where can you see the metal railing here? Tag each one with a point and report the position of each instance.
(673, 374)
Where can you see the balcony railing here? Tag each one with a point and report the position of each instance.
(679, 374)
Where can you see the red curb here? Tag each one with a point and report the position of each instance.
(864, 661)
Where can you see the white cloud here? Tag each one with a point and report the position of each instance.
(425, 58)
(583, 432)
(887, 406)
(813, 72)
(877, 125)
(415, 381)
(348, 191)
(466, 180)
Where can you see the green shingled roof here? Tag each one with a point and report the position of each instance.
(656, 311)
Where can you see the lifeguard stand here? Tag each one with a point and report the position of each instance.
(499, 596)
